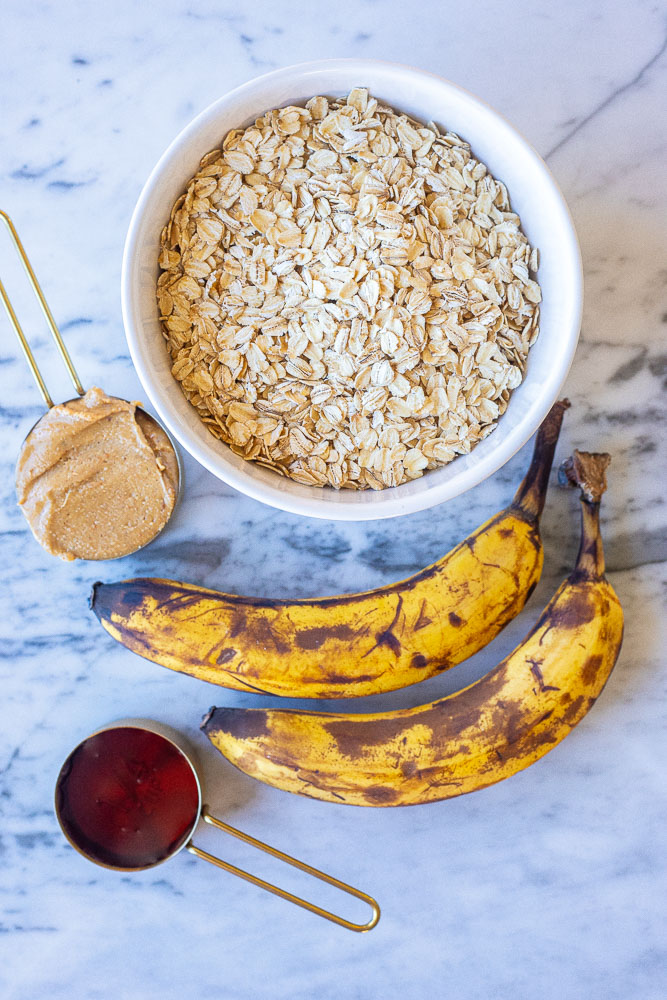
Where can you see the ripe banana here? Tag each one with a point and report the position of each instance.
(355, 644)
(497, 726)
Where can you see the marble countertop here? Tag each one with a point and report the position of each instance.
(551, 884)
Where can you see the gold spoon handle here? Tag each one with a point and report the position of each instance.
(32, 364)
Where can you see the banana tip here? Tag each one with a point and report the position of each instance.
(238, 723)
(93, 593)
(207, 718)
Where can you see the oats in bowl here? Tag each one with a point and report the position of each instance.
(346, 294)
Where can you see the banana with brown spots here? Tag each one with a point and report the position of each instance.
(354, 644)
(497, 726)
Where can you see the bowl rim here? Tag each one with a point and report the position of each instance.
(348, 504)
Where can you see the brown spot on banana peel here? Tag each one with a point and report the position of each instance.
(314, 638)
(264, 635)
(238, 624)
(333, 678)
(536, 670)
(576, 609)
(387, 637)
(251, 725)
(382, 794)
(422, 619)
(591, 668)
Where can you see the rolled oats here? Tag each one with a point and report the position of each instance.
(346, 296)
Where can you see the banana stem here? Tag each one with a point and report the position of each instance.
(587, 470)
(590, 560)
(532, 492)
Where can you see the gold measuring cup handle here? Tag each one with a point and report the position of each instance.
(246, 838)
(55, 332)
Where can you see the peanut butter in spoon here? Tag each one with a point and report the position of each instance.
(96, 478)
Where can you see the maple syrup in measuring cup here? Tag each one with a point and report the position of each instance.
(127, 798)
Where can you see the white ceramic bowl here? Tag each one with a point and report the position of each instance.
(534, 195)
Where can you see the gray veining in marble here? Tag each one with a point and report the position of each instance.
(549, 885)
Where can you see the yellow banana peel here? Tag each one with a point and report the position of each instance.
(495, 727)
(354, 644)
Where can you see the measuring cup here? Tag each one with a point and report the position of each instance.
(129, 798)
(32, 364)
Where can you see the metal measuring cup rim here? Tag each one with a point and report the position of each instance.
(144, 725)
